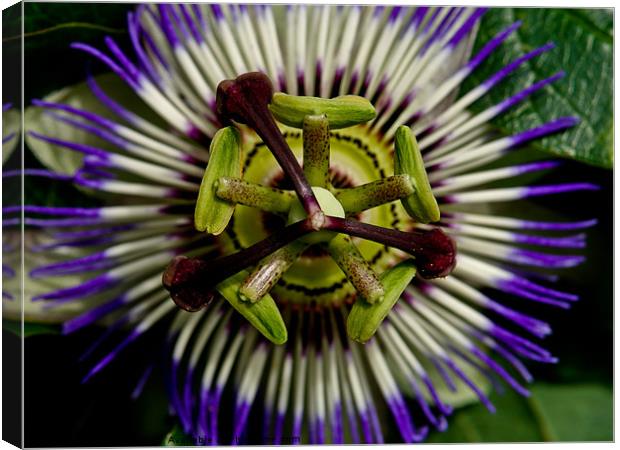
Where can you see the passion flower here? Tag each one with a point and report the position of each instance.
(356, 279)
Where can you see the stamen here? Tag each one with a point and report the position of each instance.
(356, 268)
(212, 213)
(268, 199)
(369, 195)
(341, 112)
(421, 205)
(269, 271)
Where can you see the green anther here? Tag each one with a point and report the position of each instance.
(264, 315)
(365, 318)
(316, 150)
(342, 112)
(329, 205)
(369, 195)
(267, 273)
(268, 199)
(356, 268)
(212, 214)
(421, 205)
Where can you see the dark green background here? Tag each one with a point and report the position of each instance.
(571, 400)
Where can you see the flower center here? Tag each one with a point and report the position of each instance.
(357, 157)
(316, 212)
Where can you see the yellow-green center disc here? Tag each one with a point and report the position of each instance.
(356, 156)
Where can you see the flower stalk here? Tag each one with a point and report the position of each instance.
(375, 193)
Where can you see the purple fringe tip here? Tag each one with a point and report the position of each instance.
(110, 356)
(549, 128)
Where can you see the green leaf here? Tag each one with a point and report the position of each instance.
(40, 19)
(49, 29)
(41, 191)
(63, 160)
(568, 412)
(584, 50)
(574, 412)
(212, 213)
(30, 329)
(513, 422)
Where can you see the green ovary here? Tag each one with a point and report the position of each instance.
(357, 157)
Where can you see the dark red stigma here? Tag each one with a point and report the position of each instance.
(435, 254)
(181, 279)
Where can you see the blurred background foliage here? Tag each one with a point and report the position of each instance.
(571, 401)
